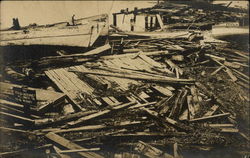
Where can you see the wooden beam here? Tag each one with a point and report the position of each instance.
(210, 117)
(100, 114)
(79, 150)
(131, 55)
(65, 118)
(95, 51)
(70, 145)
(17, 118)
(139, 77)
(160, 21)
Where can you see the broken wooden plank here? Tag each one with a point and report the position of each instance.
(150, 61)
(83, 128)
(166, 120)
(229, 130)
(57, 150)
(17, 118)
(231, 64)
(78, 150)
(160, 21)
(3, 129)
(65, 118)
(139, 77)
(231, 75)
(211, 110)
(18, 152)
(210, 117)
(220, 125)
(163, 90)
(131, 55)
(215, 57)
(228, 71)
(52, 104)
(70, 145)
(217, 70)
(100, 114)
(151, 151)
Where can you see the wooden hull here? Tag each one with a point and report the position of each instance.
(84, 34)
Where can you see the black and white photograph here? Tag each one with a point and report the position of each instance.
(124, 79)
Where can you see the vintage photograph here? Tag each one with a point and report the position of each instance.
(124, 79)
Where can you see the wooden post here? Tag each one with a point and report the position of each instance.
(146, 22)
(135, 13)
(151, 22)
(132, 23)
(114, 20)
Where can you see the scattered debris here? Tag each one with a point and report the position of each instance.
(163, 92)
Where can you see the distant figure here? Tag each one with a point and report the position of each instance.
(73, 20)
(132, 23)
(16, 25)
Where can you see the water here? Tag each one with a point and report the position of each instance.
(47, 12)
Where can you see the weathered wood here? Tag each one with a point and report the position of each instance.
(173, 66)
(232, 65)
(62, 88)
(160, 21)
(176, 154)
(17, 118)
(220, 125)
(209, 93)
(210, 117)
(191, 108)
(211, 110)
(51, 104)
(240, 73)
(79, 150)
(151, 61)
(139, 77)
(166, 120)
(217, 70)
(228, 71)
(215, 57)
(151, 151)
(70, 145)
(138, 105)
(132, 50)
(155, 53)
(175, 112)
(83, 128)
(3, 129)
(100, 114)
(231, 75)
(229, 130)
(65, 118)
(57, 150)
(163, 90)
(16, 152)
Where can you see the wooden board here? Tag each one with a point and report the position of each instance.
(70, 145)
(44, 97)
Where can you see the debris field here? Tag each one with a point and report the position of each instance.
(170, 91)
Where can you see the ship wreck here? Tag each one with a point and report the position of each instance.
(81, 32)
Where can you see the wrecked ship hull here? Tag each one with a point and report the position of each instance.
(83, 34)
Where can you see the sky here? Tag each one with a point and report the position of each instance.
(47, 12)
